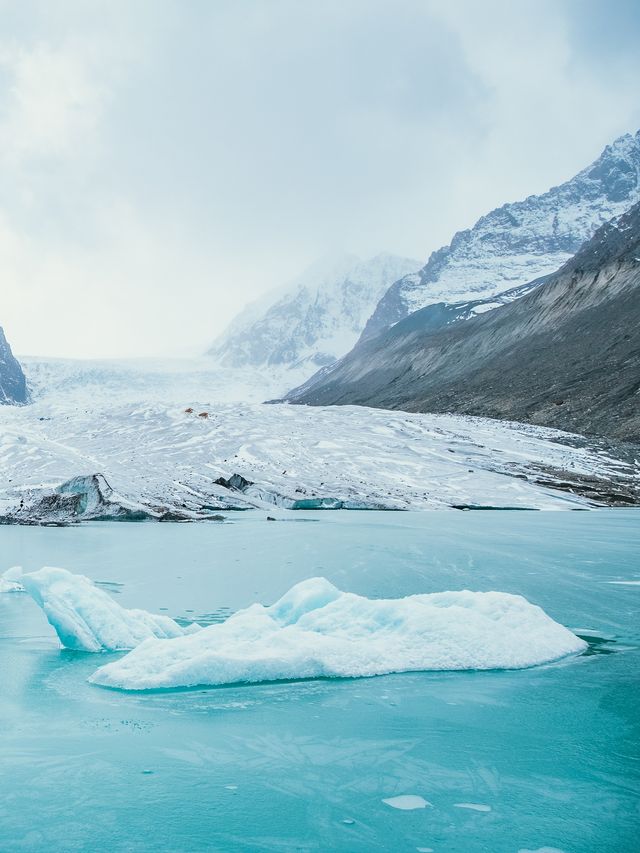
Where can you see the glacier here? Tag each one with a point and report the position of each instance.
(86, 618)
(90, 448)
(317, 631)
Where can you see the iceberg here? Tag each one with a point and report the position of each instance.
(317, 631)
(7, 584)
(87, 619)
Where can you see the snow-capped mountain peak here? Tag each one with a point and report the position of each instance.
(521, 241)
(314, 319)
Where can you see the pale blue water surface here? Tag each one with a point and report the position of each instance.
(551, 753)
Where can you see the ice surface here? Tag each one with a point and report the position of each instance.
(87, 619)
(155, 455)
(317, 631)
(7, 584)
(407, 802)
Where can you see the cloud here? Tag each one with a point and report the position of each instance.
(164, 162)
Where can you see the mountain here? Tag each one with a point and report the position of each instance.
(313, 320)
(519, 242)
(566, 355)
(13, 386)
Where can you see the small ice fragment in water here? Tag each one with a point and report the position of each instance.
(622, 583)
(407, 802)
(542, 850)
(147, 772)
(424, 849)
(349, 821)
(476, 807)
(231, 787)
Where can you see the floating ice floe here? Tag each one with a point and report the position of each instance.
(317, 631)
(87, 619)
(475, 807)
(407, 802)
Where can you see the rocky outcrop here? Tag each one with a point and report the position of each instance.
(566, 355)
(90, 498)
(519, 242)
(13, 385)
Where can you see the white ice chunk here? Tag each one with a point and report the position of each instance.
(407, 802)
(542, 850)
(476, 807)
(316, 631)
(87, 619)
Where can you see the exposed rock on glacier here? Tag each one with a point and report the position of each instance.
(13, 385)
(317, 631)
(519, 242)
(87, 619)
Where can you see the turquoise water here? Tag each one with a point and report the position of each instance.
(551, 754)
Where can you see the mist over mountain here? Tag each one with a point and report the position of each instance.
(313, 320)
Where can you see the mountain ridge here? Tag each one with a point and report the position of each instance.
(519, 241)
(566, 355)
(315, 319)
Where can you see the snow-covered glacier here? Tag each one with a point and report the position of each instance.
(85, 617)
(317, 631)
(102, 453)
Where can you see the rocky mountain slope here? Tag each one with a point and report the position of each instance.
(565, 355)
(314, 320)
(13, 386)
(519, 242)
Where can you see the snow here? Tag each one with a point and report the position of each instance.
(407, 802)
(317, 631)
(524, 240)
(315, 319)
(87, 619)
(156, 456)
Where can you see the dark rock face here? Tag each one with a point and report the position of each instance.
(519, 242)
(13, 385)
(566, 355)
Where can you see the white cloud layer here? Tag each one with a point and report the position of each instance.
(165, 162)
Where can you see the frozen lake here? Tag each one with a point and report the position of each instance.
(500, 762)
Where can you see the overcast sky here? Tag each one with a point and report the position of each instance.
(162, 163)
